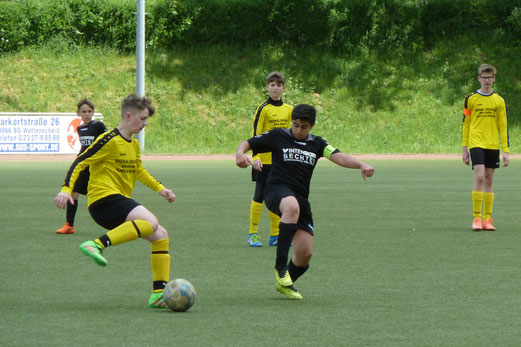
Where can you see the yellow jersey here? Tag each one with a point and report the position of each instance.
(115, 165)
(484, 121)
(270, 115)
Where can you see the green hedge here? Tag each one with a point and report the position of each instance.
(109, 23)
(336, 25)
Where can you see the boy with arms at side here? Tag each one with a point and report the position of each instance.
(88, 131)
(295, 154)
(273, 113)
(484, 117)
(115, 164)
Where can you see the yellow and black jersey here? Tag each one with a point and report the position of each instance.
(293, 160)
(90, 132)
(270, 115)
(484, 119)
(115, 164)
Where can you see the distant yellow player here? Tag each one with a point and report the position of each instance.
(484, 121)
(115, 165)
(273, 113)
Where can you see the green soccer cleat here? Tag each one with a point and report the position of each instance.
(253, 240)
(291, 292)
(156, 300)
(284, 281)
(93, 250)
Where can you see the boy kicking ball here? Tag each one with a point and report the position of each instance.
(295, 153)
(115, 165)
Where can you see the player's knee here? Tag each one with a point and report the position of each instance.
(160, 233)
(290, 208)
(153, 223)
(480, 179)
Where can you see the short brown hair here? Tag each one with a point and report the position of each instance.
(85, 101)
(486, 68)
(133, 102)
(276, 76)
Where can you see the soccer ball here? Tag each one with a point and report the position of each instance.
(179, 295)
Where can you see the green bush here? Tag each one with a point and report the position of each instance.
(13, 27)
(110, 23)
(479, 19)
(342, 26)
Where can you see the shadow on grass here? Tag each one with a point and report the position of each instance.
(374, 81)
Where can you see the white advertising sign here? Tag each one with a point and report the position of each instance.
(39, 133)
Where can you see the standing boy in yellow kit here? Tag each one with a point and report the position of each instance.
(273, 113)
(484, 121)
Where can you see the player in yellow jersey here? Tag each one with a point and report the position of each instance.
(115, 164)
(484, 121)
(273, 113)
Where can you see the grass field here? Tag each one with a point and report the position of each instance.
(395, 263)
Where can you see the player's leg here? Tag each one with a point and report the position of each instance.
(290, 211)
(488, 195)
(299, 263)
(303, 250)
(302, 246)
(70, 214)
(159, 258)
(477, 156)
(80, 187)
(111, 213)
(274, 229)
(256, 208)
(160, 261)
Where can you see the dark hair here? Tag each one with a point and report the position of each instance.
(85, 101)
(276, 76)
(304, 112)
(133, 102)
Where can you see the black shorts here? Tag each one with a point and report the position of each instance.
(487, 157)
(112, 211)
(82, 182)
(275, 193)
(260, 178)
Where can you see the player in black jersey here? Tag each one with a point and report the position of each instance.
(295, 153)
(88, 131)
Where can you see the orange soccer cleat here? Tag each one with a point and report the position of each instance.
(476, 224)
(65, 229)
(487, 225)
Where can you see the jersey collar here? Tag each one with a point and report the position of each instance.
(275, 102)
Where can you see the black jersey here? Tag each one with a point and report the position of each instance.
(293, 161)
(90, 132)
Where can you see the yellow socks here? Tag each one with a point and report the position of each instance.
(477, 200)
(488, 203)
(255, 215)
(274, 223)
(160, 260)
(126, 232)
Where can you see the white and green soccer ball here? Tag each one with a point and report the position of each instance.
(179, 295)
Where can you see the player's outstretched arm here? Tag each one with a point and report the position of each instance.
(350, 162)
(241, 159)
(168, 195)
(62, 198)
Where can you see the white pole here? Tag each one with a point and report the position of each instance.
(140, 61)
